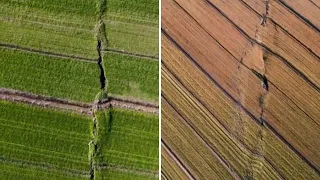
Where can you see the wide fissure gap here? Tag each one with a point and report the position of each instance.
(101, 41)
(102, 74)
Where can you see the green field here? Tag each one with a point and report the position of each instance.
(133, 26)
(62, 78)
(59, 26)
(43, 140)
(134, 9)
(131, 37)
(130, 140)
(132, 76)
(109, 174)
(25, 172)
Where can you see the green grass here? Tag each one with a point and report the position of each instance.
(133, 38)
(62, 78)
(132, 25)
(146, 9)
(130, 139)
(86, 8)
(132, 77)
(111, 174)
(60, 26)
(17, 172)
(47, 138)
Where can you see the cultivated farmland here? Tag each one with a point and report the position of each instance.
(128, 140)
(126, 77)
(245, 105)
(78, 89)
(41, 139)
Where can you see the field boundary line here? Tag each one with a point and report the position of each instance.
(75, 106)
(150, 57)
(46, 53)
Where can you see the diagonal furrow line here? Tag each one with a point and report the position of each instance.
(305, 20)
(182, 165)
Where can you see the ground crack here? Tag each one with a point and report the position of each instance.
(102, 75)
(101, 41)
(265, 15)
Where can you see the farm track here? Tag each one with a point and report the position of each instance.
(78, 107)
(255, 71)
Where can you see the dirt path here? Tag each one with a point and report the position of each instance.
(78, 107)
